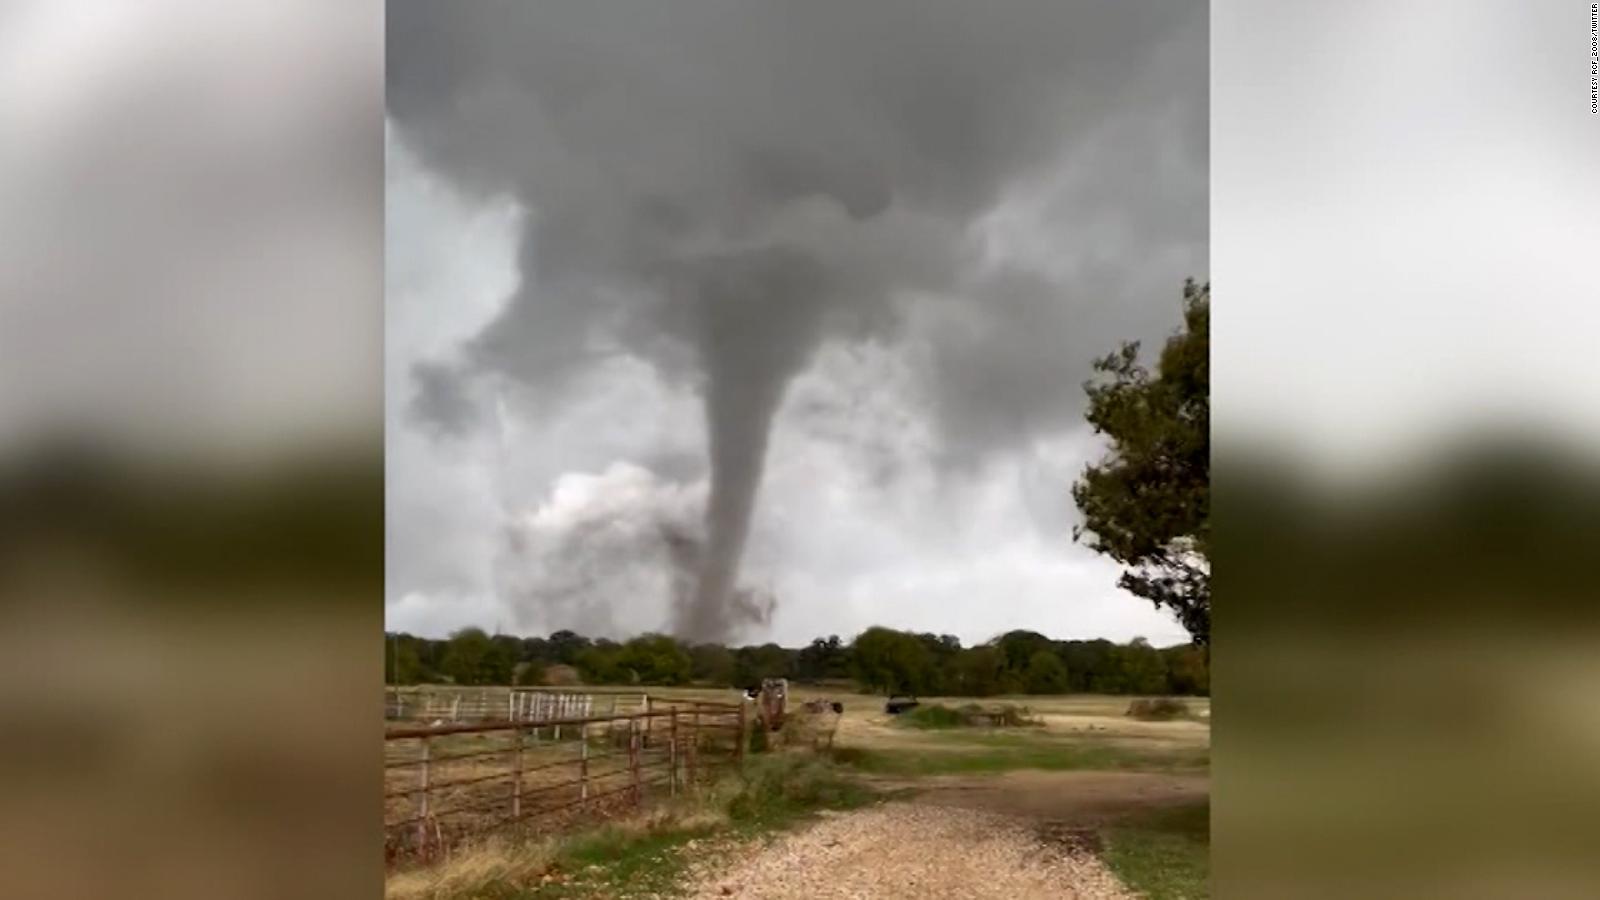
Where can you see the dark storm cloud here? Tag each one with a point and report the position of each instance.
(721, 187)
(439, 400)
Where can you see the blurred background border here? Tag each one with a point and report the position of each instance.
(1407, 406)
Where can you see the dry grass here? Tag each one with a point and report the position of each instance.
(519, 861)
(637, 852)
(549, 779)
(498, 859)
(551, 770)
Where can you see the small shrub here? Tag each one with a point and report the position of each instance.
(1158, 709)
(970, 715)
(784, 785)
(935, 716)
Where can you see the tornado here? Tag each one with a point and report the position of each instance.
(719, 189)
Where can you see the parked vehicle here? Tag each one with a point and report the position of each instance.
(898, 705)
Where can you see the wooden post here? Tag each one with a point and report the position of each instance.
(672, 753)
(516, 773)
(633, 757)
(694, 744)
(649, 706)
(422, 802)
(583, 768)
(738, 747)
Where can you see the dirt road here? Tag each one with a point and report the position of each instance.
(911, 850)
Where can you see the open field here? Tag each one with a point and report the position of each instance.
(1090, 803)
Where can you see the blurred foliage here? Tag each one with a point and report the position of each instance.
(1496, 527)
(176, 528)
(1410, 659)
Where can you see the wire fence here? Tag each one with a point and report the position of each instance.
(448, 782)
(437, 705)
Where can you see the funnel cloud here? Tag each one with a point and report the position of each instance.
(720, 191)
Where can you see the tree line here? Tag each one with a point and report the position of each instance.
(879, 659)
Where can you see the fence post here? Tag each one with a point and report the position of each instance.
(738, 747)
(516, 773)
(455, 708)
(672, 753)
(422, 802)
(583, 768)
(694, 744)
(649, 706)
(633, 757)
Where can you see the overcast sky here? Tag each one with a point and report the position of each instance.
(861, 257)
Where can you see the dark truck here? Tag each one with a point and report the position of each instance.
(898, 705)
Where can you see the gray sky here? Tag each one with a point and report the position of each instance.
(860, 258)
(189, 251)
(1407, 244)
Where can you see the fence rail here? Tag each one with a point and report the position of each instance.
(450, 781)
(489, 704)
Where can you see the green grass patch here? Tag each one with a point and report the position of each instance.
(1164, 855)
(618, 862)
(1005, 753)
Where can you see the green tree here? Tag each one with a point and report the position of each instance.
(1047, 674)
(565, 646)
(980, 672)
(752, 664)
(712, 664)
(1141, 668)
(891, 661)
(1019, 646)
(535, 649)
(654, 659)
(1187, 670)
(943, 649)
(600, 663)
(472, 657)
(528, 672)
(401, 662)
(823, 658)
(1147, 504)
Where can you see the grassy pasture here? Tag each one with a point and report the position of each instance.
(1165, 855)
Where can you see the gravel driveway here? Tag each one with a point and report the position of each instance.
(903, 850)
